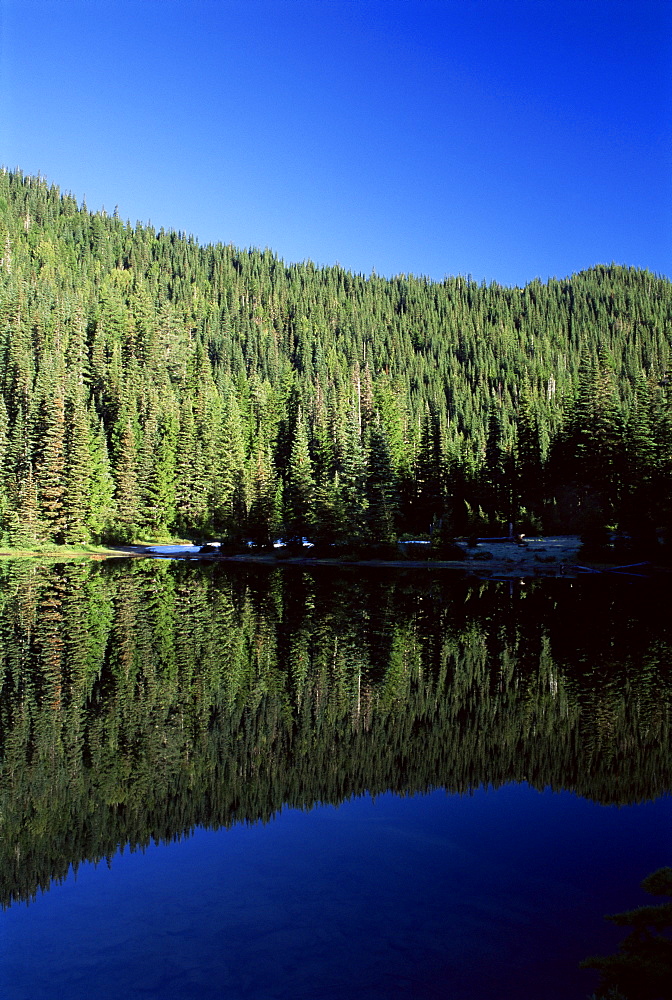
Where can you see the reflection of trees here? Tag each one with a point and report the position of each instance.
(139, 700)
(641, 969)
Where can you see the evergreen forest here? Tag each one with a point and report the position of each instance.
(151, 388)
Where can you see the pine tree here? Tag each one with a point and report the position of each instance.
(299, 488)
(229, 499)
(496, 477)
(428, 503)
(529, 468)
(150, 517)
(126, 493)
(24, 524)
(661, 425)
(77, 475)
(50, 463)
(329, 513)
(352, 478)
(597, 437)
(265, 498)
(381, 490)
(192, 477)
(102, 507)
(4, 441)
(165, 472)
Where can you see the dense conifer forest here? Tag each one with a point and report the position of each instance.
(150, 386)
(141, 698)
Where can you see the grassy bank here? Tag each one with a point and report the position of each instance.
(60, 552)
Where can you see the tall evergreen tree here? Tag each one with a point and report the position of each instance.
(50, 463)
(299, 488)
(77, 473)
(428, 503)
(126, 493)
(381, 490)
(102, 507)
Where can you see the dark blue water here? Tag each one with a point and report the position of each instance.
(499, 894)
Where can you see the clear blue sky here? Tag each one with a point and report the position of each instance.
(507, 139)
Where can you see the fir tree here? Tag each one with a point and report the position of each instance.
(299, 488)
(77, 476)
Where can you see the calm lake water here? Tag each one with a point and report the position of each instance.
(241, 782)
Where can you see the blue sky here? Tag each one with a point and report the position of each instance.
(506, 139)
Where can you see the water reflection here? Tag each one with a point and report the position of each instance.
(141, 700)
(496, 894)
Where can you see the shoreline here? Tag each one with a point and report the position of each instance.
(557, 556)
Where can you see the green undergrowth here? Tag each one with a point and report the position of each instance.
(55, 551)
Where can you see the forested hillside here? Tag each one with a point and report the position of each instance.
(149, 386)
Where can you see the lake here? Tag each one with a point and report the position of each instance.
(239, 781)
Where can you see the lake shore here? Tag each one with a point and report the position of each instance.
(550, 556)
(556, 556)
(64, 553)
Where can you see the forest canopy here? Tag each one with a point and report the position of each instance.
(150, 386)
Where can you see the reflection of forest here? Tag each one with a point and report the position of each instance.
(142, 698)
